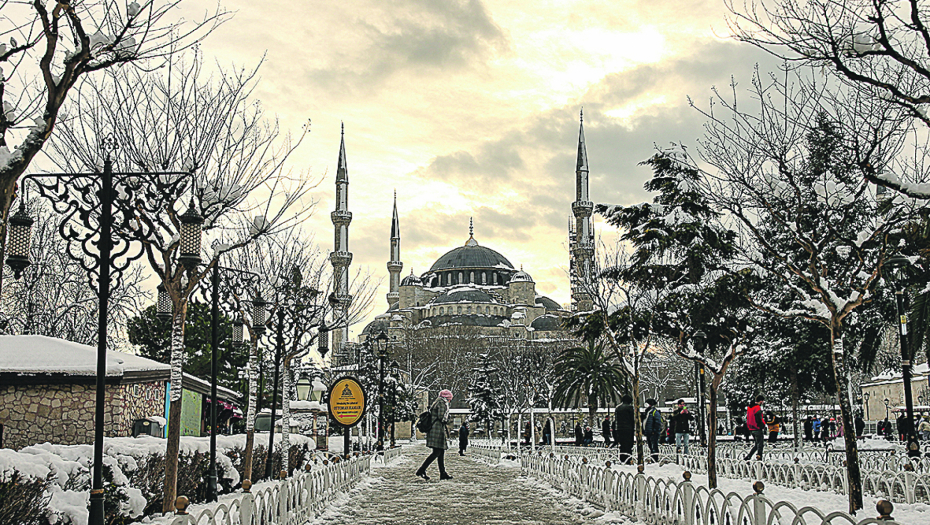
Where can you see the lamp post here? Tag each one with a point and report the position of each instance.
(90, 199)
(865, 397)
(886, 408)
(700, 342)
(382, 355)
(394, 375)
(898, 265)
(303, 387)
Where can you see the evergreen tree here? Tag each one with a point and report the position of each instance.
(484, 394)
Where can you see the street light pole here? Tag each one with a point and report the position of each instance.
(279, 346)
(898, 263)
(382, 354)
(214, 367)
(79, 199)
(700, 340)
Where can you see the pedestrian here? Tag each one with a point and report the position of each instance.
(437, 436)
(831, 430)
(902, 427)
(817, 427)
(809, 429)
(547, 432)
(653, 427)
(756, 424)
(860, 426)
(739, 430)
(605, 430)
(924, 429)
(527, 433)
(463, 438)
(588, 436)
(626, 427)
(886, 429)
(579, 435)
(681, 421)
(774, 425)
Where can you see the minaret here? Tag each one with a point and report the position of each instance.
(341, 258)
(582, 238)
(394, 265)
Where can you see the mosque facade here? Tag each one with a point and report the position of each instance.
(477, 287)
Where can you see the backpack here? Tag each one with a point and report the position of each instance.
(425, 422)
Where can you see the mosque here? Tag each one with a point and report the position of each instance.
(473, 285)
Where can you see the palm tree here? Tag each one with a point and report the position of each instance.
(587, 373)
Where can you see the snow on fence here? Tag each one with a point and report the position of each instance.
(660, 501)
(389, 454)
(291, 501)
(490, 454)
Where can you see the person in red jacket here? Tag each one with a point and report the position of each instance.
(756, 424)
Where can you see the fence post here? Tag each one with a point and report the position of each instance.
(687, 491)
(640, 494)
(758, 505)
(247, 505)
(283, 495)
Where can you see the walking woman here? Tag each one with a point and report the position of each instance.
(438, 435)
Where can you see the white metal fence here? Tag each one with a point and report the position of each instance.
(661, 501)
(291, 501)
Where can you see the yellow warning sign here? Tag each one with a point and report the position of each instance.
(347, 401)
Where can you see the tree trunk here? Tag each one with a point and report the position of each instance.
(712, 435)
(252, 408)
(852, 453)
(795, 395)
(638, 423)
(174, 414)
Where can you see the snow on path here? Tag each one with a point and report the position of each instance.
(478, 494)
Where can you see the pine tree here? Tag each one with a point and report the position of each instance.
(484, 396)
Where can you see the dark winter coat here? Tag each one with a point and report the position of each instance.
(579, 436)
(463, 436)
(605, 429)
(681, 421)
(653, 422)
(438, 433)
(860, 426)
(626, 426)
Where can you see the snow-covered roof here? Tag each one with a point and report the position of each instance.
(38, 354)
(889, 377)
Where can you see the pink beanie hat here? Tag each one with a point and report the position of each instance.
(446, 394)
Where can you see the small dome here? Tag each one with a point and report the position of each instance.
(463, 295)
(548, 304)
(521, 277)
(411, 280)
(547, 323)
(380, 324)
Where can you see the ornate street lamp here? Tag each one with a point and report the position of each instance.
(20, 226)
(700, 343)
(103, 213)
(318, 389)
(886, 408)
(164, 308)
(382, 355)
(898, 264)
(191, 235)
(865, 397)
(304, 387)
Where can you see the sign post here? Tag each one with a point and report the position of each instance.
(347, 404)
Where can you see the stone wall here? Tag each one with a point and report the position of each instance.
(64, 414)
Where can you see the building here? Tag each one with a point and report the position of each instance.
(48, 392)
(476, 286)
(884, 393)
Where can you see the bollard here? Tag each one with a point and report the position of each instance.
(758, 506)
(687, 498)
(180, 505)
(246, 486)
(884, 508)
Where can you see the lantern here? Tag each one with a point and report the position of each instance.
(259, 314)
(20, 225)
(164, 306)
(191, 234)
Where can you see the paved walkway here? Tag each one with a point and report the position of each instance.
(478, 494)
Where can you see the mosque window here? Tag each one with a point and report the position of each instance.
(460, 309)
(449, 280)
(487, 310)
(471, 277)
(442, 310)
(468, 309)
(461, 278)
(484, 278)
(495, 278)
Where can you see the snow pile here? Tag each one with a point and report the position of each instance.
(131, 471)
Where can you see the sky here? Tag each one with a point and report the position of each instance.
(469, 108)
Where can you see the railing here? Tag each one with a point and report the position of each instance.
(389, 454)
(291, 501)
(662, 501)
(489, 454)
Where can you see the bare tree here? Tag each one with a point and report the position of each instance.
(180, 118)
(788, 175)
(877, 47)
(51, 49)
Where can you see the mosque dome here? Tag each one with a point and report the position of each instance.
(380, 324)
(521, 277)
(548, 304)
(463, 295)
(471, 256)
(547, 323)
(411, 280)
